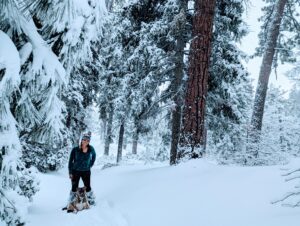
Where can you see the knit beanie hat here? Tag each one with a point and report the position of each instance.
(86, 136)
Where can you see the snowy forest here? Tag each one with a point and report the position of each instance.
(157, 82)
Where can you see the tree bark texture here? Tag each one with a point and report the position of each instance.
(176, 118)
(266, 66)
(108, 132)
(192, 137)
(120, 143)
(177, 85)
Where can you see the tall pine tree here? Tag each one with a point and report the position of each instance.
(229, 87)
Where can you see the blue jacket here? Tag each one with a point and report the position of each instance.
(81, 161)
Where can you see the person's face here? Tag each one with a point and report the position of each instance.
(85, 142)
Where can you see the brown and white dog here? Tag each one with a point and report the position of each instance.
(80, 201)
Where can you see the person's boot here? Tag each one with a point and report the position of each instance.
(91, 198)
(72, 197)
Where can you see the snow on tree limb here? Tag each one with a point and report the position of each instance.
(10, 146)
(43, 57)
(10, 60)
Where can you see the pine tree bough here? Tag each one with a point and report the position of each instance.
(9, 141)
(193, 135)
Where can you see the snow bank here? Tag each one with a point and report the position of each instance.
(191, 194)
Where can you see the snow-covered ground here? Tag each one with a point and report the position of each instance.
(196, 193)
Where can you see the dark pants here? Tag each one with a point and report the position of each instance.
(86, 178)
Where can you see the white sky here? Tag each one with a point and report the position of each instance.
(250, 42)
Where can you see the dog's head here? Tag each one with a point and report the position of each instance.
(81, 193)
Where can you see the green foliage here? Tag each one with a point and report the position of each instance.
(229, 87)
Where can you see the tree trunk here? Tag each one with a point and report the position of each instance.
(135, 141)
(2, 153)
(282, 139)
(177, 86)
(176, 117)
(192, 137)
(264, 74)
(120, 143)
(108, 132)
(125, 142)
(103, 128)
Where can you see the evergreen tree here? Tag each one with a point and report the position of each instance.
(291, 136)
(111, 65)
(138, 64)
(291, 112)
(34, 100)
(276, 144)
(178, 34)
(75, 34)
(15, 180)
(288, 37)
(193, 136)
(157, 140)
(229, 89)
(278, 37)
(10, 145)
(72, 29)
(39, 111)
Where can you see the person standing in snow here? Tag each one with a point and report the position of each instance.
(82, 158)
